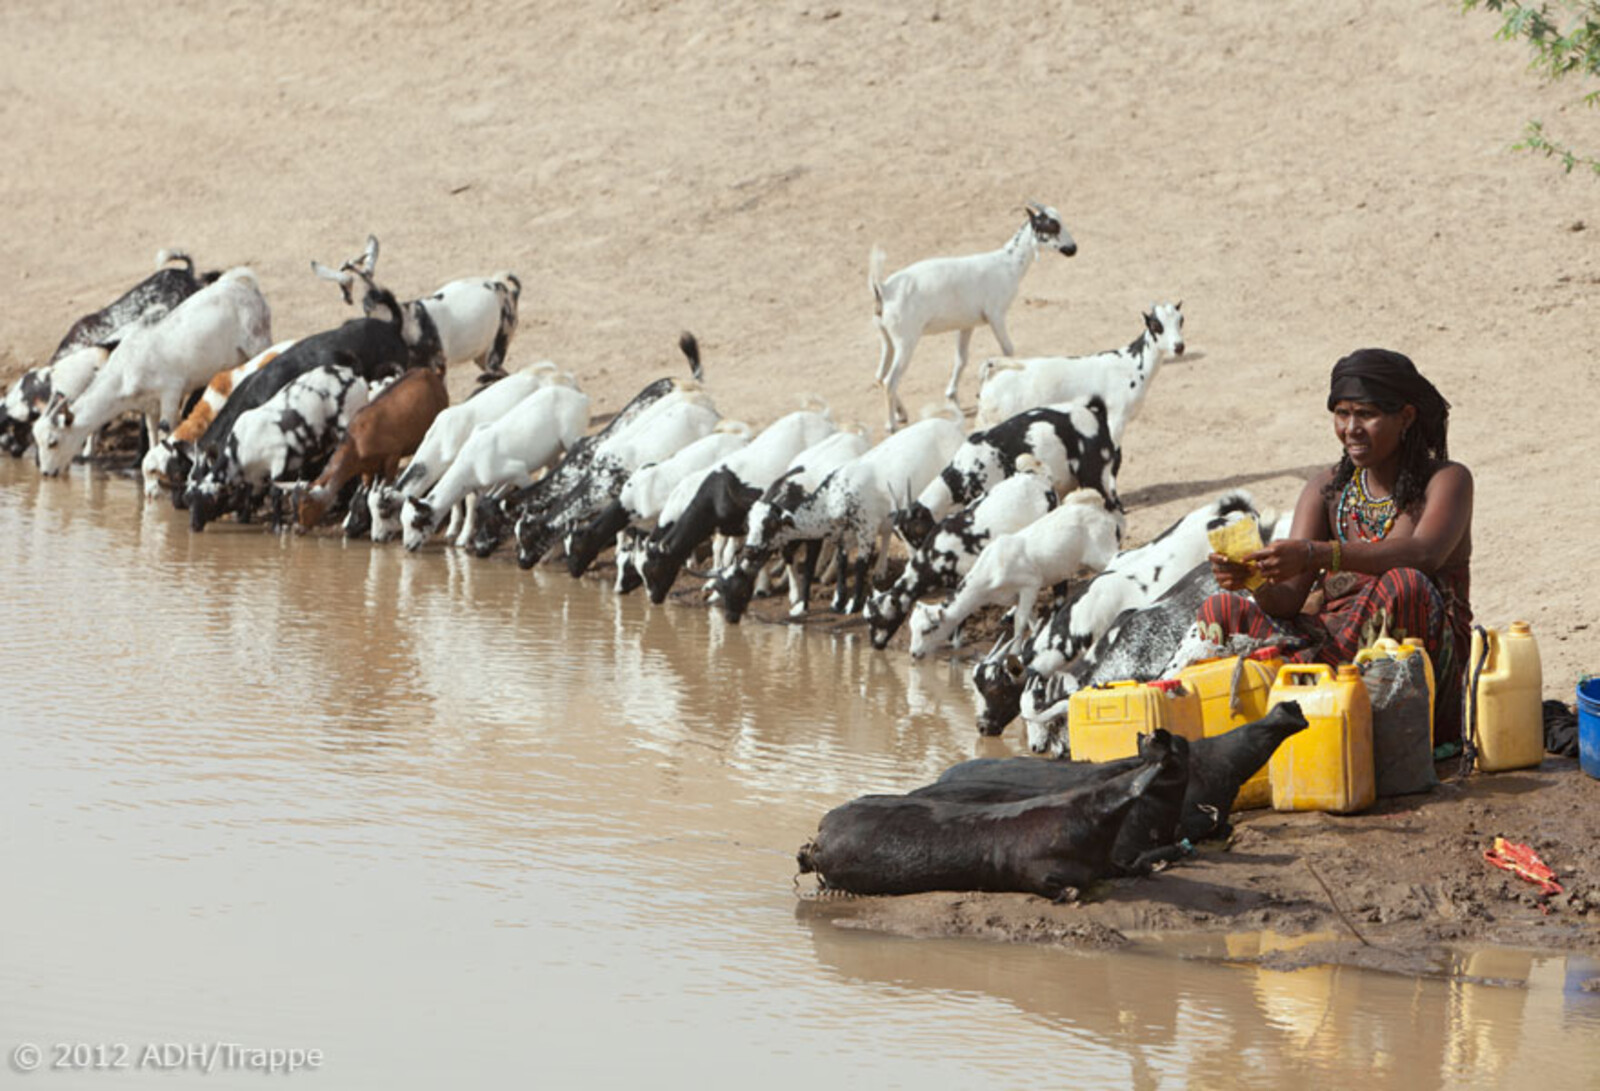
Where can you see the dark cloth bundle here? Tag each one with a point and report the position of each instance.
(1560, 730)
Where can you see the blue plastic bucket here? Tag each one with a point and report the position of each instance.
(1589, 726)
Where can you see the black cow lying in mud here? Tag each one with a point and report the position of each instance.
(1053, 845)
(1217, 767)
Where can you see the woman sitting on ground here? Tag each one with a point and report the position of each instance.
(1387, 533)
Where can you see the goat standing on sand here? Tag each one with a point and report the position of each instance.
(937, 295)
(1121, 378)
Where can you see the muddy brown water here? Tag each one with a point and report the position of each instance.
(454, 824)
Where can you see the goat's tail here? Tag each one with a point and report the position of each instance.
(513, 283)
(167, 257)
(691, 348)
(875, 279)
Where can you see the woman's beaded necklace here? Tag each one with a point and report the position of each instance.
(1372, 516)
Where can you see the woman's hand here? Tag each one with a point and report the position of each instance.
(1283, 560)
(1230, 575)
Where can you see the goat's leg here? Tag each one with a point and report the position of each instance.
(864, 562)
(841, 589)
(997, 323)
(963, 342)
(800, 579)
(885, 357)
(902, 358)
(1027, 599)
(469, 521)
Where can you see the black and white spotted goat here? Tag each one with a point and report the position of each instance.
(66, 377)
(292, 432)
(850, 509)
(145, 304)
(1072, 442)
(1120, 378)
(937, 295)
(721, 504)
(733, 586)
(497, 511)
(473, 318)
(661, 430)
(947, 554)
(371, 347)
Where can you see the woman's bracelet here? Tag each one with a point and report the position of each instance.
(1335, 557)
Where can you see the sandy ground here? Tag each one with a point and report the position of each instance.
(1307, 178)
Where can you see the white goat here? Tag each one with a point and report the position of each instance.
(154, 368)
(473, 318)
(949, 551)
(938, 295)
(530, 437)
(1121, 377)
(1015, 568)
(444, 440)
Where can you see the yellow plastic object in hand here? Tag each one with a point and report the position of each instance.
(1236, 541)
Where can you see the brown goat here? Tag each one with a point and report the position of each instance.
(387, 430)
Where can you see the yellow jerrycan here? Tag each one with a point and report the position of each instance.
(1212, 681)
(1104, 722)
(1328, 766)
(1505, 707)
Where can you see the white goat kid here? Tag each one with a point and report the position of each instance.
(1121, 377)
(473, 318)
(1016, 568)
(938, 295)
(949, 551)
(444, 439)
(154, 368)
(531, 437)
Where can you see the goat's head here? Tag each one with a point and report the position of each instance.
(363, 266)
(54, 438)
(358, 515)
(1048, 229)
(886, 612)
(1165, 326)
(912, 523)
(998, 680)
(735, 585)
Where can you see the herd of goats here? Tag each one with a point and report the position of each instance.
(354, 424)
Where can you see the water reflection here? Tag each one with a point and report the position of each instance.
(347, 795)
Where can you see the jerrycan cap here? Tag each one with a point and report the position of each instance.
(1167, 685)
(1348, 672)
(1521, 628)
(1272, 651)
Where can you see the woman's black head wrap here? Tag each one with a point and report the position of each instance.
(1391, 381)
